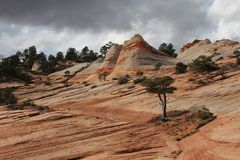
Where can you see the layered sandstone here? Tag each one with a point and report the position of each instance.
(192, 50)
(137, 54)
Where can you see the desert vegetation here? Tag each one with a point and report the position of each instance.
(203, 64)
(181, 68)
(168, 49)
(161, 86)
(123, 80)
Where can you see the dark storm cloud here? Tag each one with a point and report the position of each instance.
(176, 21)
(102, 14)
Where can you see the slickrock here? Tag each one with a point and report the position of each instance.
(111, 121)
(111, 58)
(137, 54)
(192, 50)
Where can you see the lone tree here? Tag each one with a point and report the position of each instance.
(161, 86)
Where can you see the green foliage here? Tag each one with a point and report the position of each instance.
(59, 56)
(181, 67)
(71, 55)
(161, 86)
(157, 66)
(203, 64)
(7, 97)
(104, 49)
(87, 55)
(168, 48)
(122, 80)
(139, 73)
(29, 56)
(7, 71)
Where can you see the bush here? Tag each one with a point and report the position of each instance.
(203, 64)
(93, 86)
(204, 114)
(139, 73)
(157, 66)
(7, 97)
(238, 61)
(236, 52)
(122, 80)
(139, 80)
(181, 67)
(67, 73)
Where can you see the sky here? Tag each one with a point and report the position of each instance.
(56, 25)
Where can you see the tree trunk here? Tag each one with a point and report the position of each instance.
(164, 106)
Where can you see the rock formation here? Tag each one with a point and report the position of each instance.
(36, 66)
(192, 50)
(111, 58)
(136, 54)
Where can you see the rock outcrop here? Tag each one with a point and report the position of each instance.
(137, 54)
(192, 50)
(111, 58)
(36, 66)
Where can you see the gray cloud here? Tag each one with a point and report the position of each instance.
(57, 24)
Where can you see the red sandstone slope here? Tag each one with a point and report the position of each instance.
(109, 121)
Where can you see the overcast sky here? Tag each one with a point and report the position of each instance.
(55, 25)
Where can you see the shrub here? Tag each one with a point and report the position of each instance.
(238, 61)
(67, 73)
(204, 114)
(236, 52)
(122, 80)
(139, 80)
(7, 97)
(93, 86)
(157, 66)
(203, 64)
(181, 67)
(167, 48)
(139, 73)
